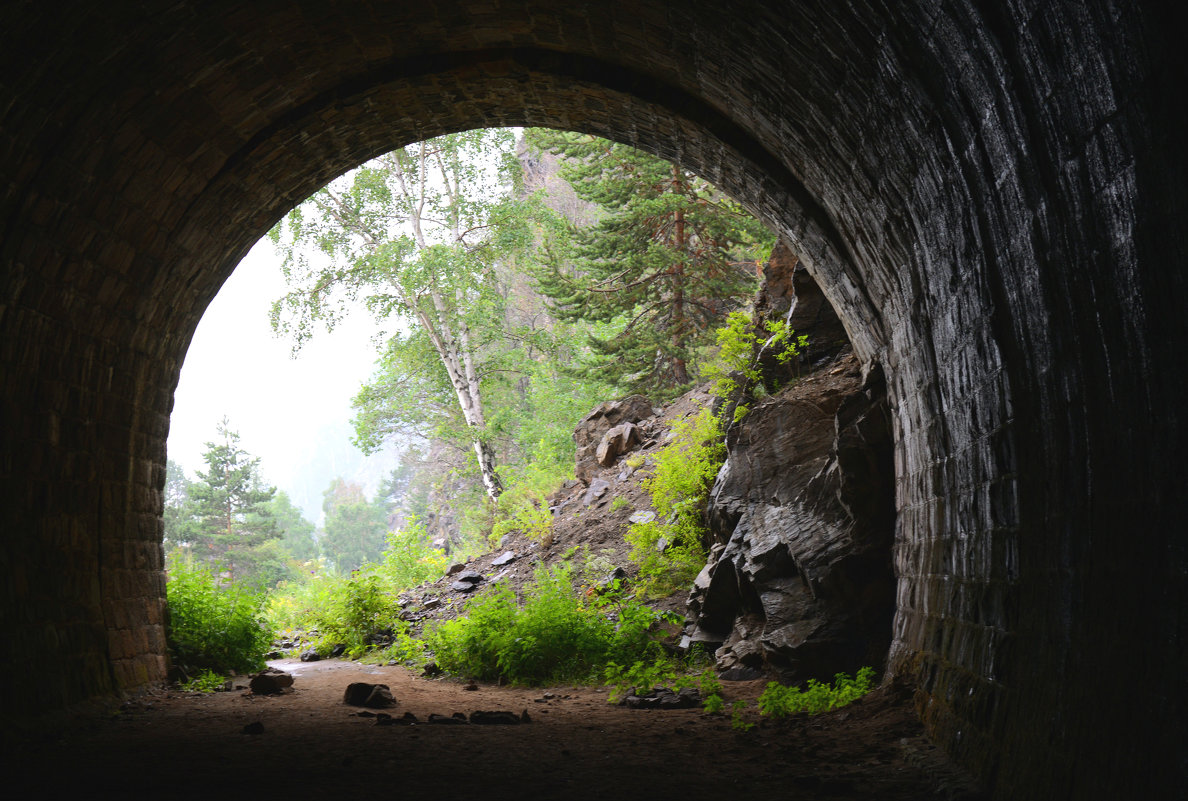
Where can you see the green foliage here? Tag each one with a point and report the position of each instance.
(619, 503)
(524, 504)
(671, 553)
(417, 234)
(213, 626)
(361, 610)
(177, 494)
(226, 514)
(556, 634)
(713, 704)
(737, 721)
(667, 258)
(355, 527)
(205, 682)
(641, 676)
(297, 538)
(735, 368)
(408, 559)
(780, 701)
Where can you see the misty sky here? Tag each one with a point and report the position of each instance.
(237, 367)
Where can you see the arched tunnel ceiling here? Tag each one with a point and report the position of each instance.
(989, 193)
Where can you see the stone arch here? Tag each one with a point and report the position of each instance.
(990, 195)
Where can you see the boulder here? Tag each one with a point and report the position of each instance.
(598, 488)
(616, 442)
(664, 698)
(589, 433)
(310, 655)
(270, 682)
(505, 558)
(373, 696)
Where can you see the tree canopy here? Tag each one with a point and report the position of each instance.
(416, 235)
(226, 513)
(666, 260)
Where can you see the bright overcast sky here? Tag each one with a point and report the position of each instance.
(237, 367)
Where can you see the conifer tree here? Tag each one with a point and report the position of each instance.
(667, 259)
(227, 511)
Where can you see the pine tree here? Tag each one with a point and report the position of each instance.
(667, 259)
(227, 512)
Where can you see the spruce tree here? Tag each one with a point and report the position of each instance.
(667, 259)
(227, 512)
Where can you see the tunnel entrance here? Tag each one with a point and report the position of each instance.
(990, 196)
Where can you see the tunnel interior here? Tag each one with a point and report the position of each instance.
(990, 195)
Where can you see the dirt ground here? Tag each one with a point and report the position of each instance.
(170, 744)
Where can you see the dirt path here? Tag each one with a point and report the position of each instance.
(179, 745)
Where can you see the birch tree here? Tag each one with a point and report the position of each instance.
(415, 235)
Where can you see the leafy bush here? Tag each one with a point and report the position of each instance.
(737, 721)
(735, 369)
(362, 610)
(780, 701)
(556, 634)
(205, 682)
(524, 505)
(408, 560)
(212, 626)
(671, 553)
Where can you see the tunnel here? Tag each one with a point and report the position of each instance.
(991, 194)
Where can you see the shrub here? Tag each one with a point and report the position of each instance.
(524, 505)
(213, 626)
(408, 560)
(556, 634)
(361, 610)
(671, 553)
(205, 682)
(735, 369)
(780, 701)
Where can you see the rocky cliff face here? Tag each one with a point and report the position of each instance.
(802, 513)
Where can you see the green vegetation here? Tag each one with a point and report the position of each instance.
(355, 526)
(737, 721)
(213, 626)
(666, 259)
(734, 369)
(205, 682)
(224, 518)
(779, 701)
(359, 611)
(670, 550)
(556, 634)
(508, 316)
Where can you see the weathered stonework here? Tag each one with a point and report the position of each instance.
(991, 195)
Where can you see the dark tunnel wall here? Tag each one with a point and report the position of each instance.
(991, 194)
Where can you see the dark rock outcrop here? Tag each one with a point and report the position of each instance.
(802, 520)
(789, 294)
